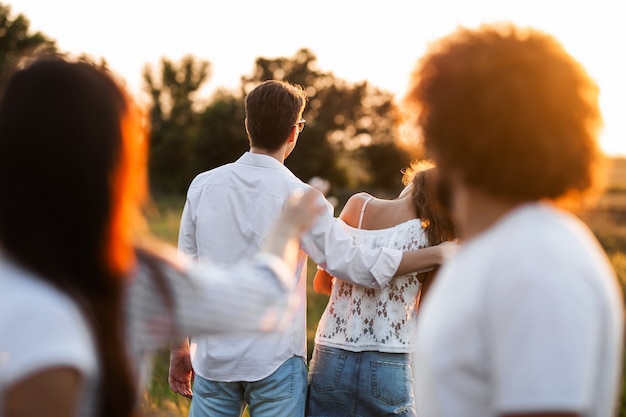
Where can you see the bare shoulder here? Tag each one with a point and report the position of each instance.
(352, 209)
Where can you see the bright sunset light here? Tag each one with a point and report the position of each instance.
(356, 40)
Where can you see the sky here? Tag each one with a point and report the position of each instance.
(356, 40)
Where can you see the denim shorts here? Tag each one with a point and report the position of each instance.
(282, 394)
(359, 384)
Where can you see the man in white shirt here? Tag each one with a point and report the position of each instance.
(227, 213)
(527, 319)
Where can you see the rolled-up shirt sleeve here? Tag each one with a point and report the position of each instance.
(330, 246)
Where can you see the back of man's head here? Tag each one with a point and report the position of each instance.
(272, 110)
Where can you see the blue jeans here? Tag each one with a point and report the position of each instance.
(282, 394)
(359, 384)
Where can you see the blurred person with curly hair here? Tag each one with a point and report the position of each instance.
(527, 319)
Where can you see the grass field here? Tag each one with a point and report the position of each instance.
(607, 220)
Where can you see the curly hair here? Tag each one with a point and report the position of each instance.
(510, 111)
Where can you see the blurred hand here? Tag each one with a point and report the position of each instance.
(181, 372)
(448, 249)
(320, 184)
(302, 209)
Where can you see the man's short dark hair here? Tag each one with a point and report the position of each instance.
(272, 109)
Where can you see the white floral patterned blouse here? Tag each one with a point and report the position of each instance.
(359, 318)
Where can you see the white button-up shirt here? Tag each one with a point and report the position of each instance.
(227, 214)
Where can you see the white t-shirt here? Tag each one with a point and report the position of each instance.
(40, 328)
(526, 317)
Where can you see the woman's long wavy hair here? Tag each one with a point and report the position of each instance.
(72, 179)
(435, 216)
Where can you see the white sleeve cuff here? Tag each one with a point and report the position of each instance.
(386, 266)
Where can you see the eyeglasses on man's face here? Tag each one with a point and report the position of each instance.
(300, 125)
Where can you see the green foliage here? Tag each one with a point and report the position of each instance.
(384, 174)
(174, 121)
(163, 215)
(16, 39)
(223, 136)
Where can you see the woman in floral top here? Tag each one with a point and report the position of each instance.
(361, 360)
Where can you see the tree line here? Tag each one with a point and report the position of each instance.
(351, 136)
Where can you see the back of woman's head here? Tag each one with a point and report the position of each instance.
(60, 141)
(64, 180)
(436, 217)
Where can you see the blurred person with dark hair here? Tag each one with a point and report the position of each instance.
(527, 319)
(361, 364)
(86, 293)
(227, 210)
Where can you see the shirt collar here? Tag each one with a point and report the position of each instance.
(266, 161)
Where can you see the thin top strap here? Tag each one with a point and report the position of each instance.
(363, 210)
